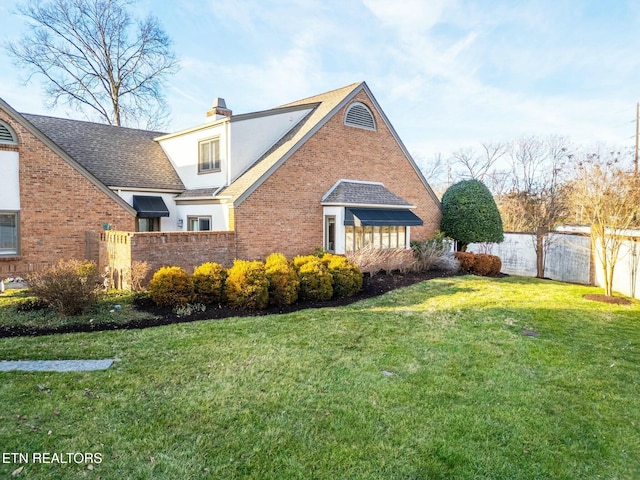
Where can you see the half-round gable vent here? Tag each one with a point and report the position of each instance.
(7, 135)
(358, 115)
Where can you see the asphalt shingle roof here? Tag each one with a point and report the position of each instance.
(117, 156)
(360, 193)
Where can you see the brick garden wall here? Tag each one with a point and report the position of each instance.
(58, 206)
(286, 208)
(182, 249)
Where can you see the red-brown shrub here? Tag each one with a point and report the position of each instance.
(466, 260)
(479, 263)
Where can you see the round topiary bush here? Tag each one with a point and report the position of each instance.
(346, 276)
(315, 279)
(247, 286)
(171, 287)
(283, 280)
(470, 214)
(209, 283)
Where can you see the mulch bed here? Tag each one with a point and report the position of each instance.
(373, 286)
(607, 299)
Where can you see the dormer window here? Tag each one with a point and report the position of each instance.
(358, 115)
(209, 155)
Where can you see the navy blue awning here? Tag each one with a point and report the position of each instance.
(150, 207)
(380, 217)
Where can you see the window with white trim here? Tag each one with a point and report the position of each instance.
(358, 115)
(9, 233)
(385, 237)
(209, 155)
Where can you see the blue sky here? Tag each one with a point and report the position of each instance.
(448, 73)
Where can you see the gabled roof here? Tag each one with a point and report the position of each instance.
(352, 192)
(64, 155)
(117, 156)
(324, 105)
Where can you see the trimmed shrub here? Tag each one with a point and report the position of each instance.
(247, 286)
(70, 286)
(470, 214)
(466, 260)
(283, 280)
(315, 279)
(479, 263)
(171, 287)
(346, 276)
(496, 266)
(209, 283)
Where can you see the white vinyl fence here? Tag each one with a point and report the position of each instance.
(569, 259)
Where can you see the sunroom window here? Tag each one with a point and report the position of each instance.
(380, 237)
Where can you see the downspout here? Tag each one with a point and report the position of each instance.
(228, 149)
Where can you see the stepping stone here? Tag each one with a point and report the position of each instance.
(55, 365)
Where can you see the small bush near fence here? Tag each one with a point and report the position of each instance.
(171, 287)
(479, 263)
(283, 280)
(209, 283)
(70, 286)
(138, 273)
(247, 285)
(434, 254)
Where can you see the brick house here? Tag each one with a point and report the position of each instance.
(326, 171)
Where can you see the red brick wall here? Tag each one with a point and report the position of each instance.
(285, 215)
(58, 206)
(184, 249)
(158, 249)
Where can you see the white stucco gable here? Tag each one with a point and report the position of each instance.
(253, 135)
(243, 139)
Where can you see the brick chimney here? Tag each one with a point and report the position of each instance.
(218, 110)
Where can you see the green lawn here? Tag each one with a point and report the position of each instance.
(435, 381)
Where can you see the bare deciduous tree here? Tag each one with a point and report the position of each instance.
(606, 196)
(536, 201)
(89, 59)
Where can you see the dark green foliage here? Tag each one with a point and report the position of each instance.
(346, 276)
(283, 280)
(209, 283)
(171, 287)
(31, 305)
(315, 279)
(247, 285)
(470, 214)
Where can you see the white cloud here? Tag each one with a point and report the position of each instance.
(408, 15)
